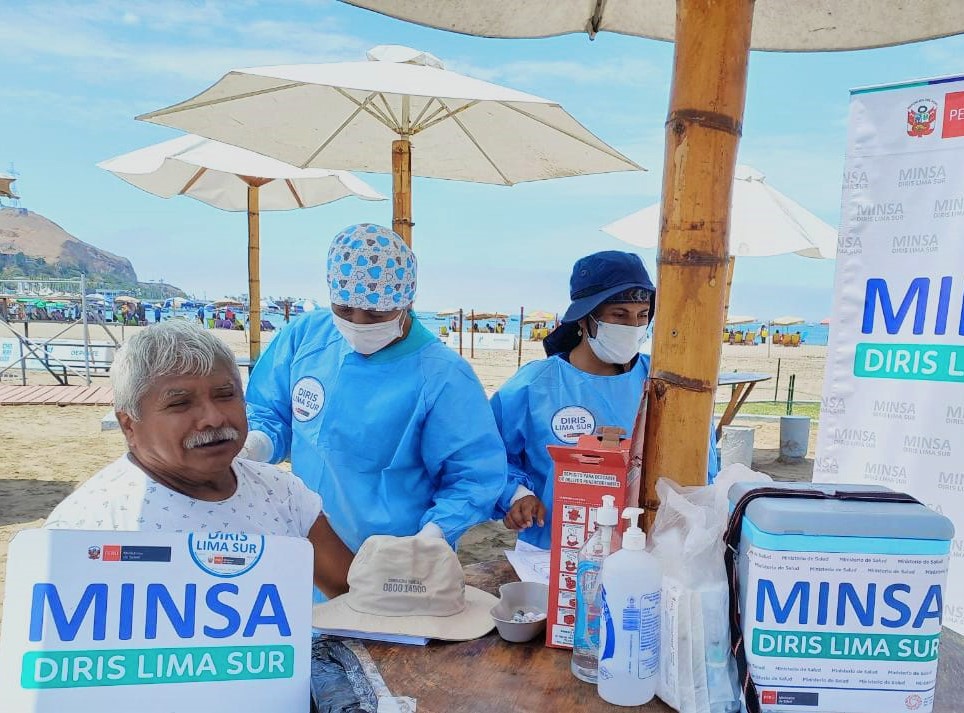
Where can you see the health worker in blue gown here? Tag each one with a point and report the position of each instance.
(386, 423)
(593, 377)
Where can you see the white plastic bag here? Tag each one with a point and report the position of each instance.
(697, 671)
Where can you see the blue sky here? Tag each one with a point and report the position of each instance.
(75, 75)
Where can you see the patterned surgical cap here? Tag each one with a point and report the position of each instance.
(371, 267)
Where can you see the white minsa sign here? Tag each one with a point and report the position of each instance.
(156, 622)
(892, 412)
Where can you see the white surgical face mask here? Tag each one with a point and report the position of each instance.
(369, 338)
(616, 343)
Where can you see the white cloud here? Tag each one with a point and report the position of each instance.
(942, 56)
(69, 108)
(169, 35)
(627, 72)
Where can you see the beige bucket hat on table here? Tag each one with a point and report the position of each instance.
(411, 586)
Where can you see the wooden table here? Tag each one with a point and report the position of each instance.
(742, 383)
(489, 675)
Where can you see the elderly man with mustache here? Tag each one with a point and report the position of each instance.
(180, 404)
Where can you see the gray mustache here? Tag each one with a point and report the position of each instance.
(202, 438)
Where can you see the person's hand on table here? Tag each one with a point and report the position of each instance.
(524, 513)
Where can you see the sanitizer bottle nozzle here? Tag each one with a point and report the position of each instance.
(634, 538)
(607, 514)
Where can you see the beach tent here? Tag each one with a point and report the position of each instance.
(64, 296)
(234, 179)
(401, 112)
(704, 123)
(787, 321)
(306, 305)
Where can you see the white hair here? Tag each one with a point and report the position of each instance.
(171, 348)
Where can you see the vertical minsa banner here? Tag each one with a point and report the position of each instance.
(892, 412)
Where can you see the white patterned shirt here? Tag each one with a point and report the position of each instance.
(267, 501)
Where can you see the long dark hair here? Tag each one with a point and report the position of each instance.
(563, 339)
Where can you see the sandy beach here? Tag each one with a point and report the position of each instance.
(49, 450)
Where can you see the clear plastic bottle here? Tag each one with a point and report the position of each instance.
(585, 640)
(629, 633)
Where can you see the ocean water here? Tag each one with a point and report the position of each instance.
(810, 333)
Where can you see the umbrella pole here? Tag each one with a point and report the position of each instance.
(522, 317)
(702, 135)
(254, 269)
(402, 189)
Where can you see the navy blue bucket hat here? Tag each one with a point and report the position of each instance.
(597, 279)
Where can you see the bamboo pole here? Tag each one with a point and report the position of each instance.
(522, 317)
(460, 332)
(472, 336)
(702, 135)
(402, 189)
(254, 267)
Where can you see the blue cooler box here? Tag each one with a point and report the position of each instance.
(841, 601)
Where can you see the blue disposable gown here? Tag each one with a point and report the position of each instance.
(391, 442)
(545, 400)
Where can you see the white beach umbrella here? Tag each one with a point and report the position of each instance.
(802, 25)
(220, 174)
(6, 185)
(740, 319)
(763, 223)
(704, 122)
(400, 112)
(234, 179)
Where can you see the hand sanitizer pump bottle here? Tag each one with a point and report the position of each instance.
(629, 632)
(585, 640)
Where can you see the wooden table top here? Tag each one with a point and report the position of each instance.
(489, 675)
(727, 378)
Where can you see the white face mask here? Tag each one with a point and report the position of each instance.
(616, 343)
(369, 338)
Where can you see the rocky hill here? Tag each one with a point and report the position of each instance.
(34, 246)
(34, 236)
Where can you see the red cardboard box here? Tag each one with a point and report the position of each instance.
(597, 465)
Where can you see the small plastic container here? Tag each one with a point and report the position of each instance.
(527, 596)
